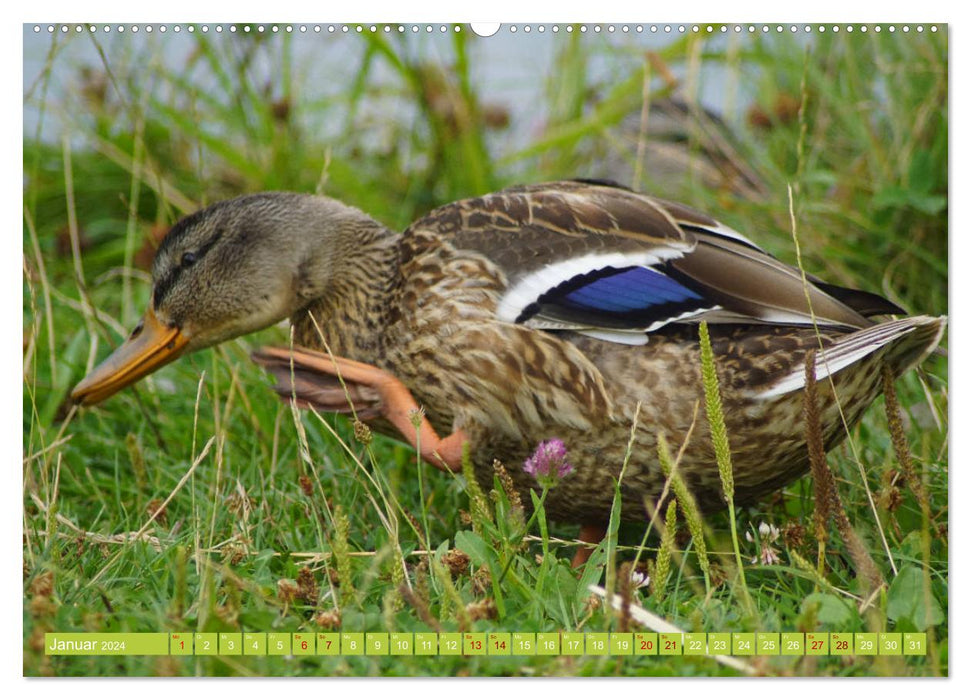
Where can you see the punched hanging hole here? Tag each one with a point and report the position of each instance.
(485, 28)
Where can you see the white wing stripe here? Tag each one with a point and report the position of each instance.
(533, 285)
(720, 229)
(843, 353)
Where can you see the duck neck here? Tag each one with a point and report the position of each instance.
(345, 285)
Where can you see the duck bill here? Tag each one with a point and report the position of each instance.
(151, 345)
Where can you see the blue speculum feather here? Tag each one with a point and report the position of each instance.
(631, 290)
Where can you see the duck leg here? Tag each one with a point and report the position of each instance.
(337, 384)
(592, 534)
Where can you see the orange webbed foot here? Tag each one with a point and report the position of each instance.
(591, 534)
(336, 384)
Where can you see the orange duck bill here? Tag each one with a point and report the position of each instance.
(151, 345)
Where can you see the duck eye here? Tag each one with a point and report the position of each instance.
(188, 258)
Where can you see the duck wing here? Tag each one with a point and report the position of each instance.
(603, 260)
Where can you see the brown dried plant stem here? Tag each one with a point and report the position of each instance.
(899, 439)
(829, 505)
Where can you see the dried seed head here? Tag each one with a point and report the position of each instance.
(156, 508)
(718, 574)
(306, 485)
(362, 433)
(508, 486)
(416, 415)
(287, 590)
(481, 580)
(624, 584)
(43, 585)
(239, 503)
(482, 609)
(307, 588)
(457, 562)
(37, 638)
(41, 606)
(233, 553)
(793, 535)
(890, 498)
(329, 619)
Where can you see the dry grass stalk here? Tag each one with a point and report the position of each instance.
(899, 439)
(624, 585)
(822, 477)
(828, 501)
(416, 600)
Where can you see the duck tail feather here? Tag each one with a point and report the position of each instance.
(902, 344)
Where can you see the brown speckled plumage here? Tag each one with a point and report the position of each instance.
(475, 309)
(509, 386)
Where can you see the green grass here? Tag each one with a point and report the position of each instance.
(289, 522)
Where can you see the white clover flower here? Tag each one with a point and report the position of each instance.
(640, 579)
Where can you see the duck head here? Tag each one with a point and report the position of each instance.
(233, 268)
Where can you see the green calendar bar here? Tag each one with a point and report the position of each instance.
(106, 644)
(287, 644)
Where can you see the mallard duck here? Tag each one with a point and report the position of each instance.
(538, 312)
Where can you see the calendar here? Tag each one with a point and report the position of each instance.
(485, 644)
(519, 348)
